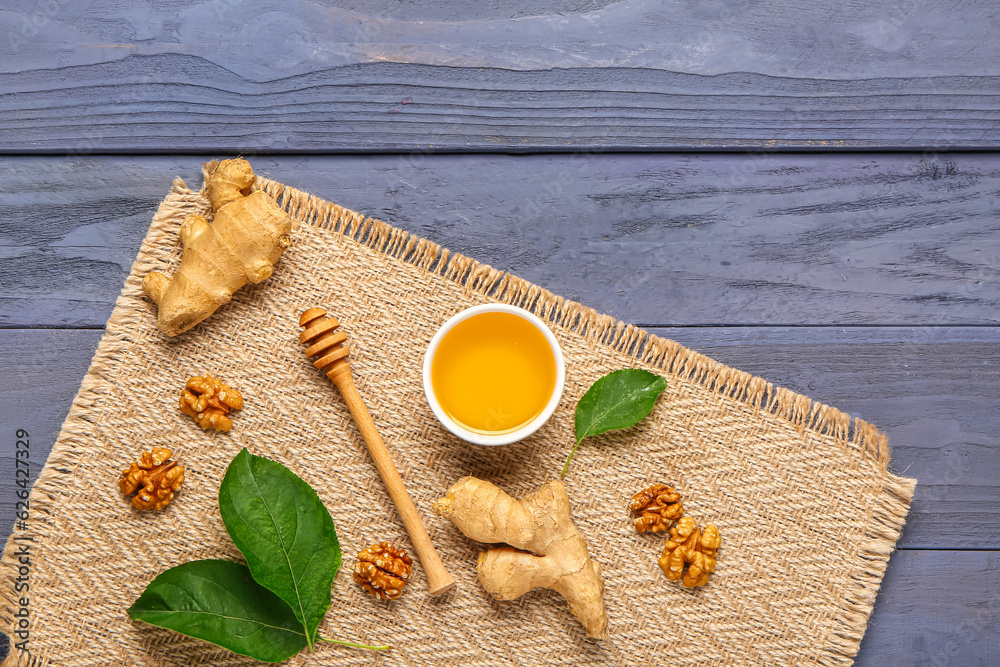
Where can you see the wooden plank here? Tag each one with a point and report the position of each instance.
(935, 608)
(42, 371)
(303, 76)
(655, 239)
(70, 233)
(931, 389)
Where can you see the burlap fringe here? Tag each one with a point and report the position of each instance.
(18, 659)
(884, 526)
(58, 472)
(892, 503)
(888, 515)
(799, 410)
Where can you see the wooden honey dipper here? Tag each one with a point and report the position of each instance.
(328, 344)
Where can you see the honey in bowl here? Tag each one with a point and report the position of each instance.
(493, 373)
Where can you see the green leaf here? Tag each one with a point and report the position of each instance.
(218, 601)
(285, 533)
(620, 399)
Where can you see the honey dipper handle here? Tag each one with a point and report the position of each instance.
(438, 579)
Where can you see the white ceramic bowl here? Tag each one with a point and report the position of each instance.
(510, 436)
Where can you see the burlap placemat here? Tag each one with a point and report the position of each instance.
(808, 512)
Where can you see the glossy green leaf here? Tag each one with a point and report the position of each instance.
(285, 533)
(620, 399)
(218, 601)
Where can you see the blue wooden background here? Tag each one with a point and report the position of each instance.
(806, 191)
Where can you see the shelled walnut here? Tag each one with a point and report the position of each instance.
(209, 401)
(689, 545)
(656, 508)
(383, 570)
(154, 479)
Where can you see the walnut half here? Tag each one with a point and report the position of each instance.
(656, 508)
(689, 545)
(154, 479)
(209, 401)
(383, 570)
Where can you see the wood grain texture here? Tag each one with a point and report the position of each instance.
(41, 371)
(934, 605)
(753, 238)
(931, 389)
(305, 76)
(320, 333)
(935, 608)
(654, 239)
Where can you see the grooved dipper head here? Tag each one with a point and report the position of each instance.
(324, 341)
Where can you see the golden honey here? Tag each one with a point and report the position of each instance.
(493, 373)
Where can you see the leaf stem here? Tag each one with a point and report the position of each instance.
(383, 647)
(566, 467)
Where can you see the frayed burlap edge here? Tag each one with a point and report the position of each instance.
(57, 477)
(888, 513)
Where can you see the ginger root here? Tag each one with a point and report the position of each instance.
(241, 245)
(546, 550)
